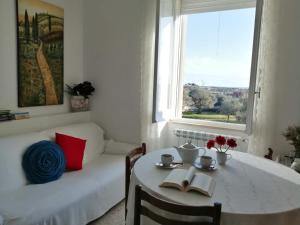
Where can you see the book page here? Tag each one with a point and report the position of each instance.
(189, 176)
(203, 183)
(174, 179)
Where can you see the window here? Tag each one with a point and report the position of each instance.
(216, 65)
(207, 61)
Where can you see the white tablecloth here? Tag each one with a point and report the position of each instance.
(252, 190)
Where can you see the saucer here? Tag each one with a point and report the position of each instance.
(171, 166)
(199, 166)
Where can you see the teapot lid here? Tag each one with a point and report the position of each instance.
(189, 145)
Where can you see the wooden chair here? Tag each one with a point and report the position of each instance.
(211, 212)
(130, 160)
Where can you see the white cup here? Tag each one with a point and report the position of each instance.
(167, 159)
(222, 157)
(207, 161)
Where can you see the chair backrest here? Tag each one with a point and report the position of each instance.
(211, 212)
(130, 160)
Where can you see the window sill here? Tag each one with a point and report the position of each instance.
(210, 124)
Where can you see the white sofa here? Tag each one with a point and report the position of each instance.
(77, 197)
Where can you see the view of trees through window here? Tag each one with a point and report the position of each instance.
(215, 103)
(217, 64)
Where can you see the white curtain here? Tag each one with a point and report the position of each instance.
(279, 78)
(166, 70)
(154, 134)
(165, 62)
(160, 75)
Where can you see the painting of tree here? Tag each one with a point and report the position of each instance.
(40, 32)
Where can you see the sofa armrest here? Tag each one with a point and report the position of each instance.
(114, 147)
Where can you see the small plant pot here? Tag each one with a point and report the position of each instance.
(222, 158)
(79, 104)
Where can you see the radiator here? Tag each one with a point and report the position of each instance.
(200, 138)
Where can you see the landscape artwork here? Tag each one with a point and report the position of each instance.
(40, 32)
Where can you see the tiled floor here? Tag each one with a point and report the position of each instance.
(113, 217)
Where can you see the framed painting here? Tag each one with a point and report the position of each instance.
(40, 46)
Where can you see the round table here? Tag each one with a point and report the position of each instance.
(252, 190)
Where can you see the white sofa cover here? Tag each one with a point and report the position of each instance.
(76, 198)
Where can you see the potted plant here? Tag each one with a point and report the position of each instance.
(80, 96)
(292, 135)
(222, 145)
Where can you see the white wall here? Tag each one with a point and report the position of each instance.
(279, 105)
(112, 63)
(73, 54)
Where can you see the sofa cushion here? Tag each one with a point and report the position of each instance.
(96, 188)
(73, 149)
(12, 149)
(87, 131)
(43, 162)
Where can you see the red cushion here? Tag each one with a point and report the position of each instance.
(73, 149)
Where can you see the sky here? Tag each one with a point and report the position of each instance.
(218, 48)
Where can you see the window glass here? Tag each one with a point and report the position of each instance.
(217, 53)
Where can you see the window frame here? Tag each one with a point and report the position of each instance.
(252, 84)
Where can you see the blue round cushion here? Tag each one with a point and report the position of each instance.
(43, 162)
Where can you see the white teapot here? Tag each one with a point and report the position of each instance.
(189, 152)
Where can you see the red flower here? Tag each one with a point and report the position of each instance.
(220, 140)
(210, 144)
(231, 143)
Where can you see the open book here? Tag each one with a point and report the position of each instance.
(187, 180)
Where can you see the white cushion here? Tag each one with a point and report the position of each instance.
(12, 149)
(113, 147)
(88, 131)
(76, 198)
